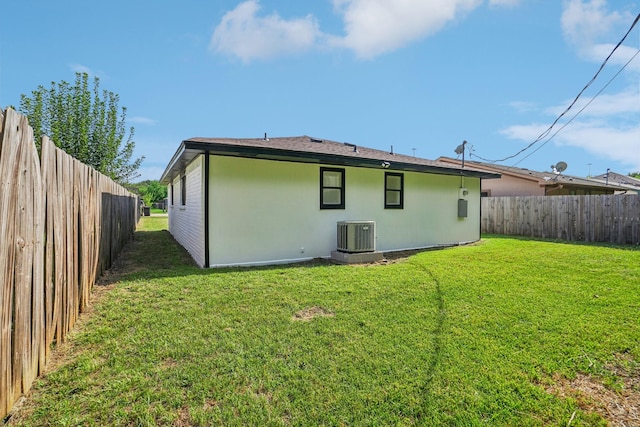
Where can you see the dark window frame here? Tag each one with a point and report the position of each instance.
(341, 205)
(183, 190)
(387, 204)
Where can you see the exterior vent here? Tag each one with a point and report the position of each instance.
(356, 236)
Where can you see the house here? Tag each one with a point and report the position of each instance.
(278, 200)
(630, 183)
(525, 182)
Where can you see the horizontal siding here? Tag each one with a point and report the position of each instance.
(186, 222)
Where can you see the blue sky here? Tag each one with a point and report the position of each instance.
(418, 75)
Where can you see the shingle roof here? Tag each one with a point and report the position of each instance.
(310, 150)
(624, 180)
(544, 178)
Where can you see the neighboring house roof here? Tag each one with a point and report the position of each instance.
(544, 179)
(620, 179)
(310, 150)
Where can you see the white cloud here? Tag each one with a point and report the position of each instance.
(142, 120)
(605, 105)
(526, 133)
(607, 128)
(371, 27)
(583, 22)
(611, 142)
(78, 68)
(243, 34)
(607, 141)
(598, 52)
(586, 23)
(374, 27)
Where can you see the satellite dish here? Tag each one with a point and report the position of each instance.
(561, 167)
(460, 148)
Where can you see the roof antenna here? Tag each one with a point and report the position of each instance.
(265, 137)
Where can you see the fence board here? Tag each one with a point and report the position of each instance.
(594, 218)
(24, 252)
(8, 200)
(38, 301)
(55, 238)
(51, 203)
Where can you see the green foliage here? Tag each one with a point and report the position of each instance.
(635, 174)
(86, 123)
(151, 191)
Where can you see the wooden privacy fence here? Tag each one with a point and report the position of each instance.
(61, 225)
(602, 218)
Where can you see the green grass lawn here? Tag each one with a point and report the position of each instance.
(472, 335)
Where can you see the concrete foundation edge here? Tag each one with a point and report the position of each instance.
(356, 258)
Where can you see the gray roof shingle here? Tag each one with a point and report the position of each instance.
(310, 150)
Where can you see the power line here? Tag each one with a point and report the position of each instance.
(550, 128)
(582, 109)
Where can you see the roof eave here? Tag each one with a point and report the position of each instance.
(190, 149)
(167, 176)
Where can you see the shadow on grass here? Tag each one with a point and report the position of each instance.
(156, 254)
(150, 254)
(438, 333)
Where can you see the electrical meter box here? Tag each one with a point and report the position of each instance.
(462, 208)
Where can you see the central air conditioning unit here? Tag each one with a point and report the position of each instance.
(356, 236)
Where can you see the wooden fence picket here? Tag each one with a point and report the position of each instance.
(8, 201)
(594, 218)
(55, 238)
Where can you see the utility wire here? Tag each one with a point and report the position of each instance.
(548, 130)
(582, 109)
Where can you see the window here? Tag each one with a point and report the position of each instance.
(331, 188)
(183, 190)
(393, 190)
(171, 193)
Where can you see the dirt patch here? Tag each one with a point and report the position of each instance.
(310, 313)
(169, 363)
(184, 418)
(620, 407)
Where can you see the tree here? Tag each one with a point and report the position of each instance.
(150, 191)
(635, 174)
(85, 123)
